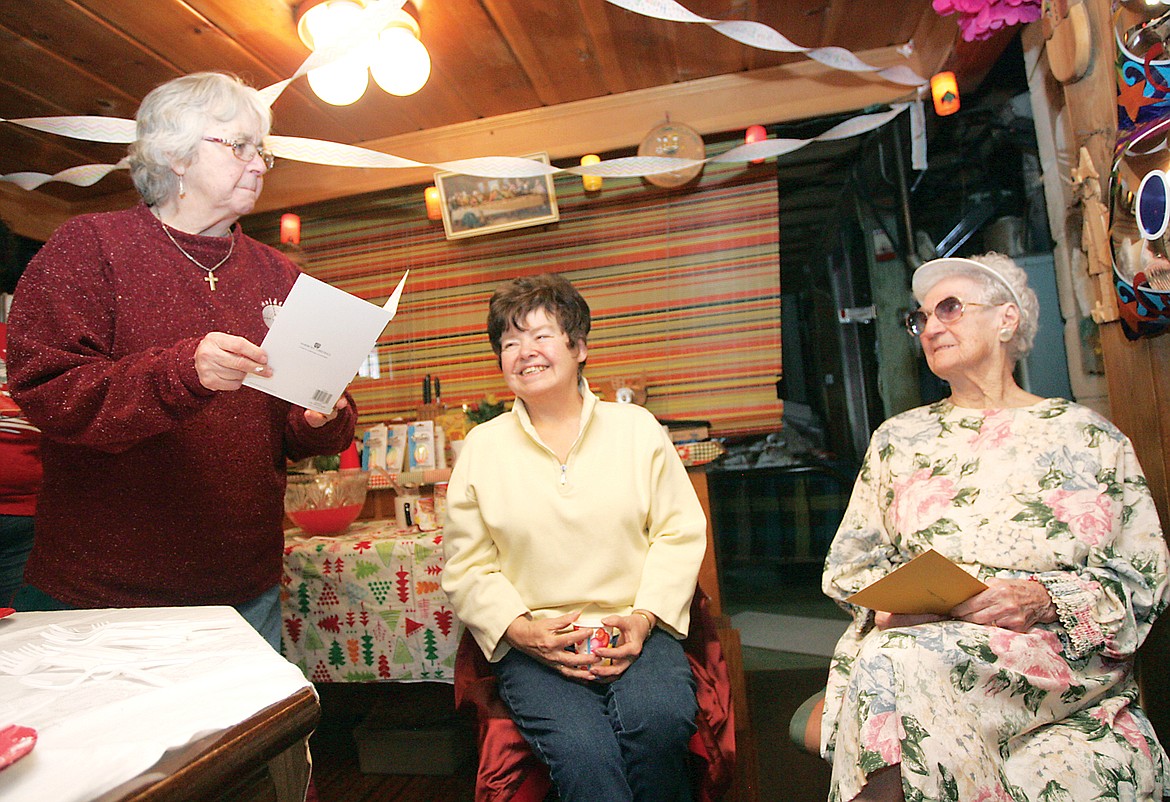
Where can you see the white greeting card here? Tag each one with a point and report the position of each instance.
(319, 339)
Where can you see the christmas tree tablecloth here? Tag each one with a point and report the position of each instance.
(367, 605)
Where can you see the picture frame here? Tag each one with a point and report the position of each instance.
(474, 205)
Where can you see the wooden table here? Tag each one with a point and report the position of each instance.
(204, 709)
(262, 758)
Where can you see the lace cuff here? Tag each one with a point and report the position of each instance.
(864, 625)
(1074, 606)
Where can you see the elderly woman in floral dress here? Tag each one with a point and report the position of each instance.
(1025, 691)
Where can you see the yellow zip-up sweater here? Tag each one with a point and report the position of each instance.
(617, 527)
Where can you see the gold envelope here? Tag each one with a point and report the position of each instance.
(930, 583)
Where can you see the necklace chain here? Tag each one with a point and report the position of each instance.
(210, 277)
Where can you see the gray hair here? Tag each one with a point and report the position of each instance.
(171, 122)
(1014, 285)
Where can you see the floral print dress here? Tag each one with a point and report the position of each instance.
(1051, 492)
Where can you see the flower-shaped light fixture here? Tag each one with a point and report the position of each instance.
(398, 60)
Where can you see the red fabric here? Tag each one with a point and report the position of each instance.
(20, 478)
(509, 772)
(20, 449)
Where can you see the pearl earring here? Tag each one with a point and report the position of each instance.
(1005, 334)
(182, 191)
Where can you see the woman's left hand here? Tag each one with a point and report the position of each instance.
(1016, 604)
(318, 419)
(634, 629)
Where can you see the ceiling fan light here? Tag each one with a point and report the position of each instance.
(400, 63)
(340, 83)
(324, 22)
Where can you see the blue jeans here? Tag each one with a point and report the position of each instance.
(625, 740)
(262, 612)
(16, 541)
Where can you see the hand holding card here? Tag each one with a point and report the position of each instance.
(930, 583)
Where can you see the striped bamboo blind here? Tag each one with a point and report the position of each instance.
(684, 287)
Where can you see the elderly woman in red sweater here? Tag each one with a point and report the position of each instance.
(129, 337)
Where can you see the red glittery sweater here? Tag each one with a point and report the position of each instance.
(157, 491)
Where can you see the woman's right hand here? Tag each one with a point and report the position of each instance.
(1016, 604)
(223, 360)
(545, 640)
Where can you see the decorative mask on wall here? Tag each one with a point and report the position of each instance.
(1139, 213)
(1143, 75)
(1139, 187)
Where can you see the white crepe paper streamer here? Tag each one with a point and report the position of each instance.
(271, 93)
(335, 154)
(91, 129)
(498, 167)
(83, 175)
(635, 166)
(761, 36)
(918, 135)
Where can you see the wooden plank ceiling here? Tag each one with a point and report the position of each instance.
(509, 77)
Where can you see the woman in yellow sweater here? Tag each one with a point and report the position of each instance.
(570, 509)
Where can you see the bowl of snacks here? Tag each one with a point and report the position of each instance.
(326, 503)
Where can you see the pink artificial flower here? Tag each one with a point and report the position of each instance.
(1036, 655)
(883, 734)
(978, 19)
(945, 7)
(920, 499)
(1087, 512)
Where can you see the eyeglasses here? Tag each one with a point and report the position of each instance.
(948, 310)
(244, 150)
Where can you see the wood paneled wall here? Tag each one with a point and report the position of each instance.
(1138, 373)
(684, 286)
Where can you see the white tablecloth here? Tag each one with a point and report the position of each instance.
(102, 733)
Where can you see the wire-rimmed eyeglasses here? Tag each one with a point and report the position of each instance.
(245, 150)
(948, 310)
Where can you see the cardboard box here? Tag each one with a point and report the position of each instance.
(439, 746)
(686, 431)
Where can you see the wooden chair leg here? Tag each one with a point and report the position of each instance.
(747, 768)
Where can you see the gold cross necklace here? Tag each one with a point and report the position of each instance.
(210, 277)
